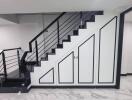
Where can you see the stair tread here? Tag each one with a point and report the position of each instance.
(66, 40)
(53, 50)
(92, 19)
(99, 12)
(13, 89)
(82, 26)
(31, 62)
(75, 32)
(51, 53)
(59, 45)
(43, 59)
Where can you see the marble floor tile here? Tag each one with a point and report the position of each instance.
(124, 93)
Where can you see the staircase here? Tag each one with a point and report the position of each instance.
(51, 45)
(46, 45)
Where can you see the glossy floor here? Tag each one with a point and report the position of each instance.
(125, 93)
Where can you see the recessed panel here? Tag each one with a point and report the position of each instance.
(66, 70)
(107, 52)
(86, 61)
(48, 77)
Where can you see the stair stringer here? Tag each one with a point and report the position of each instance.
(68, 47)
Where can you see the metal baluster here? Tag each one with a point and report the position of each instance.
(4, 64)
(36, 46)
(18, 57)
(58, 34)
(81, 19)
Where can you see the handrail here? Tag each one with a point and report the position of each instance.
(9, 49)
(70, 20)
(47, 27)
(30, 43)
(10, 61)
(35, 38)
(37, 47)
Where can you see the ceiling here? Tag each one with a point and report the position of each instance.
(39, 6)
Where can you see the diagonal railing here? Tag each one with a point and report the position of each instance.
(9, 61)
(54, 34)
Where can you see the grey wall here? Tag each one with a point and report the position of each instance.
(18, 35)
(10, 17)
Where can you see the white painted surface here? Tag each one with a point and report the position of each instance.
(68, 47)
(86, 61)
(107, 52)
(47, 77)
(127, 49)
(66, 69)
(128, 17)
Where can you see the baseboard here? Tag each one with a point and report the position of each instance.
(127, 74)
(73, 87)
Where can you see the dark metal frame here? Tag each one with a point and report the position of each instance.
(74, 87)
(120, 45)
(127, 74)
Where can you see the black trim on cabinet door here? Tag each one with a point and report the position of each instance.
(120, 45)
(72, 69)
(93, 59)
(52, 69)
(114, 50)
(127, 74)
(76, 87)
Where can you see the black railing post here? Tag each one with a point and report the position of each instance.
(58, 32)
(4, 65)
(36, 46)
(81, 18)
(18, 57)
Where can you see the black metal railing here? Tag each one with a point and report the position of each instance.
(9, 61)
(54, 33)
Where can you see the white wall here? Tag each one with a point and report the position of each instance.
(18, 35)
(127, 49)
